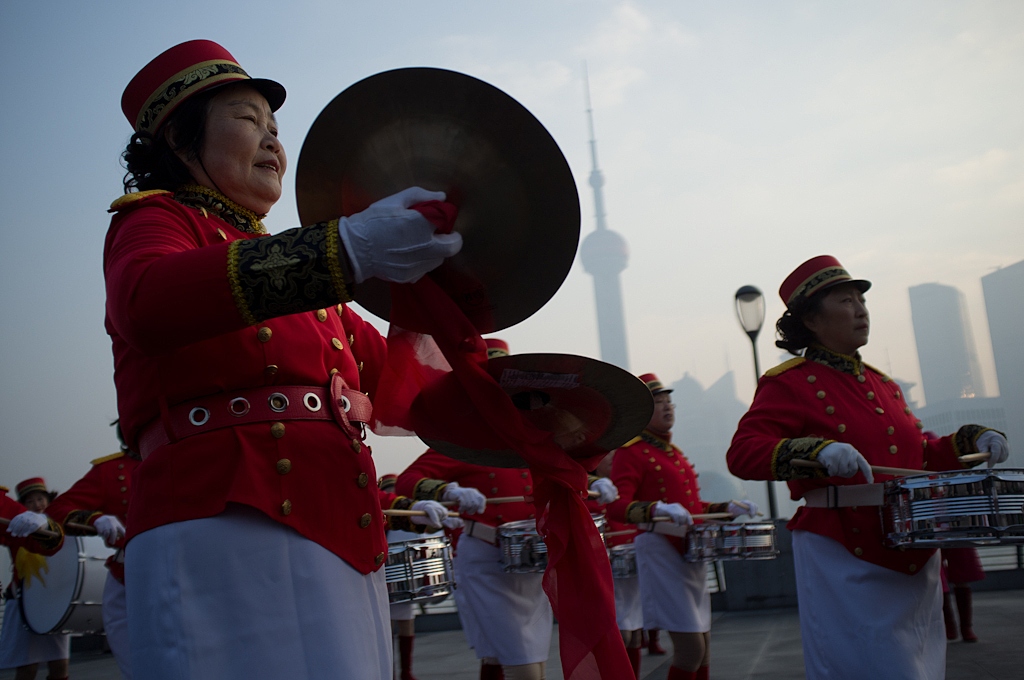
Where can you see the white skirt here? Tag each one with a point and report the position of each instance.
(20, 647)
(115, 624)
(504, 616)
(860, 620)
(239, 596)
(674, 592)
(629, 615)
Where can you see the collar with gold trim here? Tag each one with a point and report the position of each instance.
(657, 440)
(843, 363)
(208, 200)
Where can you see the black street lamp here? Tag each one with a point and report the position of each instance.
(750, 312)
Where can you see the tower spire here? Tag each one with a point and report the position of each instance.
(604, 255)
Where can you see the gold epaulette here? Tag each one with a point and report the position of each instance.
(632, 441)
(785, 366)
(879, 372)
(135, 197)
(4, 490)
(104, 459)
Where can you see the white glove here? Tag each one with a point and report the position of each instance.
(674, 511)
(744, 507)
(435, 515)
(26, 523)
(606, 490)
(842, 460)
(110, 528)
(390, 241)
(996, 444)
(470, 501)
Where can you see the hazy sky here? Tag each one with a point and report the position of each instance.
(737, 139)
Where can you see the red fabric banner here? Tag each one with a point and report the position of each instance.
(437, 385)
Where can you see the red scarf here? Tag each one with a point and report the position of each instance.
(436, 384)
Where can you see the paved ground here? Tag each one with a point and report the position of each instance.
(745, 646)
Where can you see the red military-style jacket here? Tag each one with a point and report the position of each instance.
(805, 404)
(429, 475)
(648, 469)
(199, 306)
(106, 489)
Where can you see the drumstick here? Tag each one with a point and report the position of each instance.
(621, 533)
(513, 499)
(84, 528)
(975, 457)
(880, 469)
(706, 515)
(44, 533)
(413, 513)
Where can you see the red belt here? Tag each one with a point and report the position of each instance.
(349, 408)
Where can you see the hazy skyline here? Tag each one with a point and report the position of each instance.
(736, 140)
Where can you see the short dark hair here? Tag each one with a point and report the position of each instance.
(793, 335)
(151, 161)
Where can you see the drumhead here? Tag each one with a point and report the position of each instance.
(46, 606)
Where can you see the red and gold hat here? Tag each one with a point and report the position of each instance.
(387, 481)
(179, 73)
(496, 348)
(653, 384)
(28, 486)
(814, 276)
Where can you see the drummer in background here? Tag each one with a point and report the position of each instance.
(865, 610)
(403, 614)
(654, 480)
(244, 381)
(19, 647)
(506, 616)
(628, 610)
(101, 499)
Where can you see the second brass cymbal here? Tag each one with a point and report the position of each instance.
(519, 211)
(591, 407)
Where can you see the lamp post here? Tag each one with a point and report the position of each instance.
(750, 312)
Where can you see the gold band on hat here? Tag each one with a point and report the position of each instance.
(177, 87)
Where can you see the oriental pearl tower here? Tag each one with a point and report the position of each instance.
(604, 255)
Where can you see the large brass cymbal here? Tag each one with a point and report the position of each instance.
(519, 211)
(591, 407)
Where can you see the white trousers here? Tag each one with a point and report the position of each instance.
(504, 616)
(241, 597)
(674, 592)
(859, 620)
(115, 624)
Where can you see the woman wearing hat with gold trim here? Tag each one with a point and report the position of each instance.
(19, 647)
(255, 534)
(655, 479)
(865, 610)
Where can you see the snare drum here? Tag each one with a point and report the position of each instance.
(623, 560)
(419, 570)
(955, 508)
(71, 600)
(523, 550)
(740, 541)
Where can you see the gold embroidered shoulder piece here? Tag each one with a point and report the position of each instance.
(880, 372)
(632, 441)
(104, 459)
(134, 197)
(785, 366)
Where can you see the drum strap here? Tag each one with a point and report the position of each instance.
(484, 532)
(845, 496)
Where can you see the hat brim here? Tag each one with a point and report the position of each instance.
(861, 285)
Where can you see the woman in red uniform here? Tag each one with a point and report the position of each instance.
(255, 534)
(654, 479)
(865, 610)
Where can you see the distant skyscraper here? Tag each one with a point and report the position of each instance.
(945, 345)
(1004, 302)
(604, 255)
